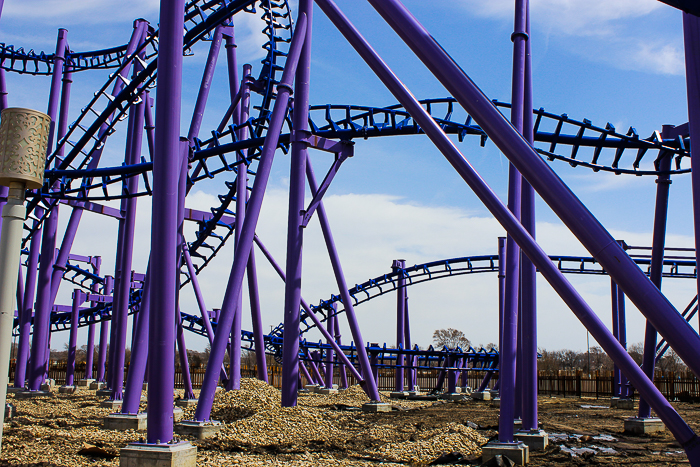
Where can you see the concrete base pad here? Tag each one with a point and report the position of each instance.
(109, 403)
(640, 426)
(412, 393)
(481, 395)
(123, 422)
(311, 387)
(517, 452)
(14, 390)
(398, 394)
(186, 402)
(103, 392)
(199, 430)
(376, 407)
(67, 389)
(622, 404)
(466, 390)
(97, 385)
(496, 402)
(158, 455)
(178, 414)
(32, 394)
(327, 391)
(84, 382)
(453, 396)
(144, 387)
(536, 440)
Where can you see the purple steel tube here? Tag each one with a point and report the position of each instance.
(343, 373)
(452, 375)
(309, 380)
(42, 315)
(78, 298)
(370, 386)
(528, 272)
(295, 229)
(616, 333)
(25, 323)
(691, 40)
(673, 421)
(235, 282)
(139, 352)
(399, 265)
(407, 344)
(184, 362)
(167, 163)
(310, 313)
(622, 323)
(330, 326)
(205, 86)
(91, 327)
(104, 333)
(314, 358)
(198, 293)
(648, 299)
(663, 183)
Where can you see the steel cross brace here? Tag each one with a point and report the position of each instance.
(341, 149)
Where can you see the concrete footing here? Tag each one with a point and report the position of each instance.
(97, 385)
(327, 391)
(47, 386)
(311, 387)
(123, 422)
(144, 387)
(10, 411)
(186, 402)
(14, 390)
(412, 393)
(104, 391)
(496, 402)
(640, 426)
(112, 404)
(481, 395)
(398, 394)
(83, 383)
(376, 407)
(536, 440)
(518, 452)
(178, 414)
(32, 394)
(181, 454)
(453, 396)
(623, 404)
(67, 389)
(199, 430)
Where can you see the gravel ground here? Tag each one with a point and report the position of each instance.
(328, 430)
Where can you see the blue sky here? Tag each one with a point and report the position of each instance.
(619, 62)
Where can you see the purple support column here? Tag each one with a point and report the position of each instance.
(309, 380)
(295, 229)
(616, 334)
(370, 386)
(663, 183)
(330, 325)
(343, 373)
(42, 315)
(398, 266)
(374, 364)
(104, 333)
(205, 85)
(313, 361)
(407, 343)
(235, 282)
(400, 19)
(139, 352)
(184, 361)
(164, 237)
(89, 358)
(452, 374)
(25, 322)
(622, 323)
(691, 40)
(528, 272)
(123, 283)
(78, 299)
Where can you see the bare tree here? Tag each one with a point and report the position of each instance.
(450, 338)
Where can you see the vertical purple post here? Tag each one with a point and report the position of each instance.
(295, 231)
(398, 266)
(89, 359)
(164, 236)
(407, 342)
(330, 326)
(42, 314)
(616, 334)
(663, 183)
(139, 352)
(104, 333)
(691, 40)
(622, 329)
(343, 373)
(78, 298)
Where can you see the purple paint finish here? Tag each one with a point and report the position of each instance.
(295, 219)
(25, 324)
(139, 352)
(167, 162)
(205, 85)
(104, 334)
(428, 50)
(42, 315)
(330, 326)
(398, 266)
(343, 373)
(370, 386)
(89, 360)
(235, 282)
(78, 299)
(184, 362)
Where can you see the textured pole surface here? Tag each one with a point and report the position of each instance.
(216, 358)
(370, 386)
(565, 290)
(663, 183)
(164, 236)
(104, 333)
(295, 230)
(139, 352)
(691, 40)
(602, 246)
(42, 314)
(13, 220)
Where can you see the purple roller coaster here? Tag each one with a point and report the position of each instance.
(268, 111)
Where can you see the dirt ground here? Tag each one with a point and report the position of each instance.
(67, 430)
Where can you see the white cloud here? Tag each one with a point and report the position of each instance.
(83, 12)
